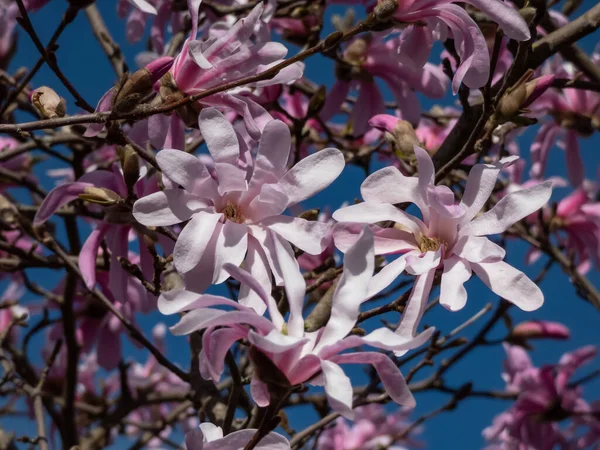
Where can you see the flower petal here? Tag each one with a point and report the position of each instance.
(312, 174)
(511, 284)
(310, 236)
(167, 207)
(193, 239)
(453, 295)
(220, 137)
(338, 388)
(57, 197)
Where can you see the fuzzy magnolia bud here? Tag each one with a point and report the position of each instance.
(100, 196)
(402, 133)
(385, 9)
(130, 164)
(316, 102)
(538, 329)
(48, 103)
(134, 87)
(523, 94)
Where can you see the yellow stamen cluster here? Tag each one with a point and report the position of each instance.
(430, 244)
(234, 213)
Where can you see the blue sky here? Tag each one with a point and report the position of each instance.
(83, 62)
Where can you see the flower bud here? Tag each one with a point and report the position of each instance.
(134, 87)
(385, 9)
(522, 94)
(538, 329)
(130, 164)
(316, 102)
(100, 196)
(402, 133)
(48, 103)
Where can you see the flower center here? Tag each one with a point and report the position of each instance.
(233, 213)
(430, 244)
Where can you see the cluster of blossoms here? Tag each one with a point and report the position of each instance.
(167, 225)
(545, 397)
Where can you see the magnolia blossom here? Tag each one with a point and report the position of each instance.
(238, 215)
(545, 398)
(575, 115)
(374, 56)
(228, 54)
(373, 428)
(109, 188)
(450, 236)
(296, 356)
(210, 437)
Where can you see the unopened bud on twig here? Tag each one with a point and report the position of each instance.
(48, 103)
(133, 88)
(538, 329)
(402, 133)
(523, 94)
(100, 196)
(130, 164)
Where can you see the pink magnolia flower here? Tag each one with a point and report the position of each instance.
(163, 16)
(230, 216)
(229, 54)
(450, 236)
(210, 437)
(300, 356)
(373, 428)
(375, 56)
(545, 398)
(574, 112)
(116, 227)
(576, 226)
(442, 18)
(539, 329)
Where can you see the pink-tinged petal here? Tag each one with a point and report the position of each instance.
(167, 207)
(287, 75)
(109, 350)
(384, 122)
(441, 200)
(572, 203)
(89, 251)
(338, 388)
(386, 240)
(158, 125)
(93, 129)
(211, 432)
(273, 151)
(180, 300)
(540, 329)
(295, 286)
(510, 210)
(386, 276)
(540, 148)
(215, 345)
(508, 18)
(453, 295)
(117, 243)
(575, 168)
(517, 360)
(260, 392)
(388, 185)
(478, 249)
(231, 178)
(570, 362)
(200, 319)
(371, 103)
(219, 135)
(181, 168)
(194, 440)
(256, 264)
(57, 197)
(377, 212)
(418, 264)
(275, 342)
(271, 201)
(411, 317)
(386, 339)
(175, 137)
(239, 439)
(144, 6)
(232, 244)
(510, 283)
(194, 9)
(391, 377)
(479, 187)
(312, 174)
(351, 290)
(193, 240)
(336, 97)
(310, 236)
(415, 46)
(426, 169)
